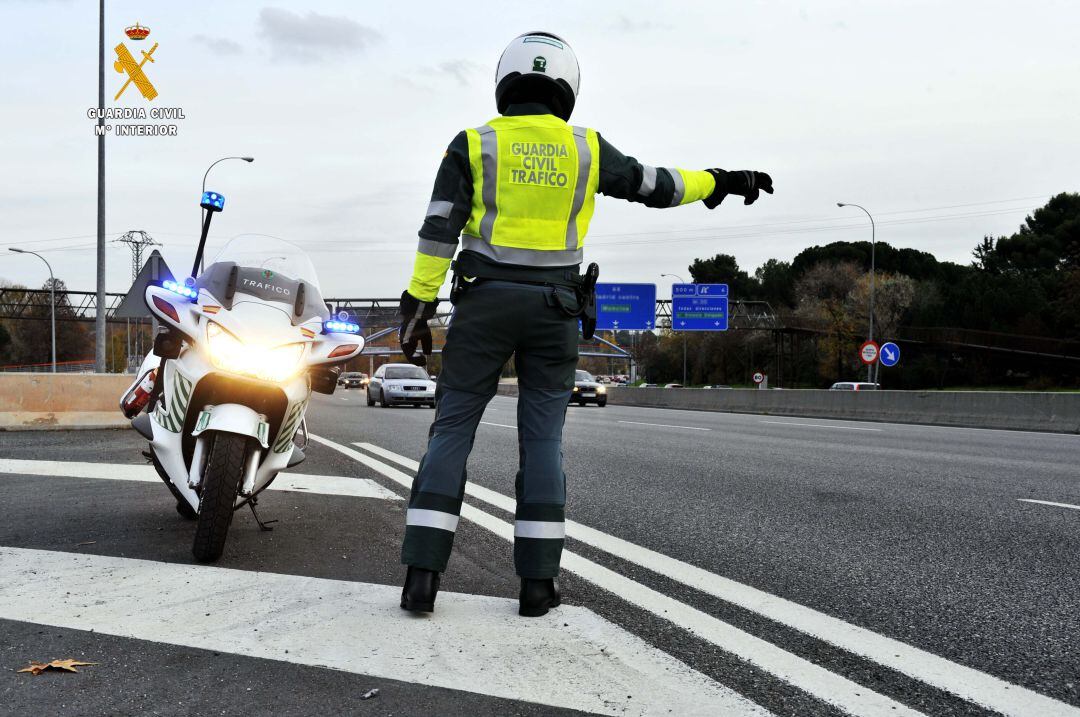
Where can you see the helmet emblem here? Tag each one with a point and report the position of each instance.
(539, 64)
(267, 274)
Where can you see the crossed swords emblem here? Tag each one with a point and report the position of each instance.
(126, 64)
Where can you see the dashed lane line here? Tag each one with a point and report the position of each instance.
(577, 660)
(307, 483)
(500, 425)
(965, 682)
(820, 425)
(1050, 503)
(666, 425)
(812, 679)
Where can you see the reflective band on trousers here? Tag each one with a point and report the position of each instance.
(648, 181)
(439, 209)
(441, 249)
(680, 186)
(522, 257)
(539, 529)
(431, 519)
(584, 161)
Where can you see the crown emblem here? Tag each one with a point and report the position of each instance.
(137, 32)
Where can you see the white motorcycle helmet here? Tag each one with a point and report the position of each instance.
(538, 67)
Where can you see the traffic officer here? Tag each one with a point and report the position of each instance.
(519, 191)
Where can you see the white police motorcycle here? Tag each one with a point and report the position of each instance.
(227, 384)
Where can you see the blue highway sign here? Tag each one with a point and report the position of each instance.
(890, 354)
(699, 307)
(625, 307)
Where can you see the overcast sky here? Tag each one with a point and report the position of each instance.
(949, 121)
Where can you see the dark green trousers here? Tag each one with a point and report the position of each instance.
(493, 321)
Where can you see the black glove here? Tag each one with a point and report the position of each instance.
(414, 327)
(744, 182)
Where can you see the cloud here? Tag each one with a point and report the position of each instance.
(312, 37)
(220, 45)
(629, 26)
(461, 70)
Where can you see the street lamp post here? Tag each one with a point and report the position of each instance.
(681, 281)
(873, 244)
(202, 213)
(52, 300)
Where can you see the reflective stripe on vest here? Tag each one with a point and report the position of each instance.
(534, 184)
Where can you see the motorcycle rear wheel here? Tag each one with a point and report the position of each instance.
(220, 484)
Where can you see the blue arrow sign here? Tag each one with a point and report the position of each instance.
(625, 307)
(699, 307)
(889, 354)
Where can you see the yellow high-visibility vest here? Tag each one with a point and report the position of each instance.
(535, 180)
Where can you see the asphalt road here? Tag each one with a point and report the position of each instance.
(716, 564)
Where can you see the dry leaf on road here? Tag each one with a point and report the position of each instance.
(68, 665)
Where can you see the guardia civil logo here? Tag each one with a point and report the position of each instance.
(539, 64)
(125, 63)
(135, 64)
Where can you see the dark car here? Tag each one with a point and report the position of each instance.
(588, 390)
(353, 379)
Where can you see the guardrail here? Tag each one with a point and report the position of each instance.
(1009, 410)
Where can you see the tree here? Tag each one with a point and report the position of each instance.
(776, 280)
(824, 301)
(724, 269)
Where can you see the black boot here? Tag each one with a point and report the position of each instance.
(538, 596)
(420, 589)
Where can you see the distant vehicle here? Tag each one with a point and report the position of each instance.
(649, 385)
(396, 384)
(353, 379)
(673, 385)
(588, 390)
(716, 386)
(854, 386)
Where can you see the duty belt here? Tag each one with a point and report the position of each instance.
(583, 285)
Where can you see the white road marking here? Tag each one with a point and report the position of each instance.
(819, 425)
(326, 485)
(666, 425)
(577, 660)
(1048, 502)
(970, 684)
(500, 425)
(803, 674)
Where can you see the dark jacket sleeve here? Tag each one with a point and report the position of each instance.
(626, 178)
(451, 198)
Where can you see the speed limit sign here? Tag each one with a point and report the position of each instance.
(868, 352)
(758, 377)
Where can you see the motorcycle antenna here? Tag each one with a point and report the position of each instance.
(212, 202)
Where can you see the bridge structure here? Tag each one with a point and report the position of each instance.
(378, 316)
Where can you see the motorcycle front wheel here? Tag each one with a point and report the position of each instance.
(220, 484)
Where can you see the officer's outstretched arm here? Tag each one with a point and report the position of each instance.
(626, 178)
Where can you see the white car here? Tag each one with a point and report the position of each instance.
(397, 384)
(854, 386)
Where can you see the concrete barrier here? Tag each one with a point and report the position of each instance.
(1011, 410)
(36, 401)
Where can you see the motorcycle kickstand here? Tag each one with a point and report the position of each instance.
(262, 526)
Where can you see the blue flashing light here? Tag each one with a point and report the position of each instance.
(185, 291)
(340, 327)
(213, 201)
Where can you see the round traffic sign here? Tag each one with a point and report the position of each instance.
(890, 354)
(868, 352)
(758, 377)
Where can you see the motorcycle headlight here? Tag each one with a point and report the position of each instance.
(229, 353)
